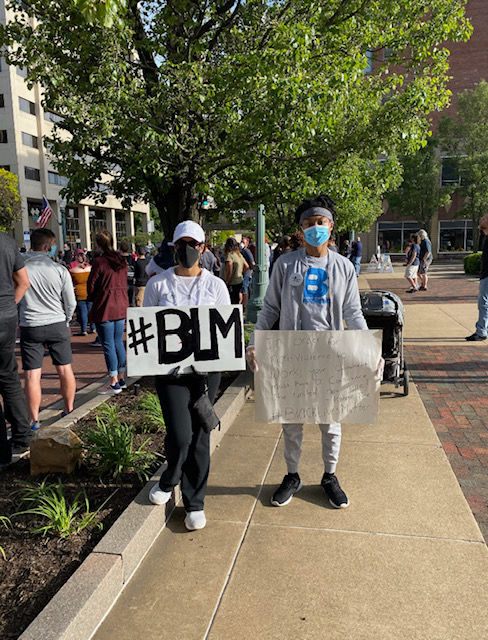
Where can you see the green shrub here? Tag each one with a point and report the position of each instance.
(472, 264)
(108, 412)
(110, 447)
(63, 519)
(248, 330)
(153, 415)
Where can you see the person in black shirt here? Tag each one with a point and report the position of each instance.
(124, 251)
(481, 332)
(14, 282)
(140, 275)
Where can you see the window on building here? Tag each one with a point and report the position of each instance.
(30, 140)
(393, 236)
(22, 72)
(387, 53)
(3, 136)
(34, 208)
(455, 235)
(27, 106)
(97, 222)
(450, 174)
(32, 174)
(369, 62)
(5, 167)
(52, 117)
(120, 226)
(55, 178)
(2, 101)
(72, 226)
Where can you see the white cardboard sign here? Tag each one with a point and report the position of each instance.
(161, 339)
(317, 377)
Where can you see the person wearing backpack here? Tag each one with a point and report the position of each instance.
(131, 272)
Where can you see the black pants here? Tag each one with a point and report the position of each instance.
(187, 446)
(234, 291)
(11, 392)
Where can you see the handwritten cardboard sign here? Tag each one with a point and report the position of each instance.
(317, 376)
(161, 339)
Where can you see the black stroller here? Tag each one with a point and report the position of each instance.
(384, 310)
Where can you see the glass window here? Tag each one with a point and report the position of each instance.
(393, 236)
(3, 136)
(27, 106)
(455, 235)
(450, 171)
(72, 225)
(34, 209)
(369, 62)
(32, 174)
(97, 222)
(5, 167)
(120, 226)
(30, 140)
(2, 100)
(55, 178)
(22, 72)
(52, 117)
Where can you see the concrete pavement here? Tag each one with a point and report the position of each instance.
(405, 560)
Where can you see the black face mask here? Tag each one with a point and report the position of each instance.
(186, 255)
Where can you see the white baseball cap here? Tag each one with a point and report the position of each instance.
(188, 229)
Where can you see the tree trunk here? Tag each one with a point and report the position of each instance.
(178, 203)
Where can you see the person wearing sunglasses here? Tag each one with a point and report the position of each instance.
(187, 445)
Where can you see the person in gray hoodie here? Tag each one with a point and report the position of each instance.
(312, 288)
(45, 312)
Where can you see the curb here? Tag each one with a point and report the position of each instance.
(81, 604)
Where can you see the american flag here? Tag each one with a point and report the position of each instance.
(46, 213)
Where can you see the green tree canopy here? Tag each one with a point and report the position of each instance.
(10, 206)
(420, 193)
(466, 136)
(247, 100)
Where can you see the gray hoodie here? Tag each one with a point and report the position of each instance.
(283, 300)
(51, 297)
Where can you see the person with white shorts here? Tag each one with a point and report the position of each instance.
(413, 262)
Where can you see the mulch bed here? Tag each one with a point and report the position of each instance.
(36, 567)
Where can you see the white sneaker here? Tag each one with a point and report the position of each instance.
(195, 520)
(157, 496)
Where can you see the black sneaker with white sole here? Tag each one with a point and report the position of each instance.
(290, 484)
(337, 497)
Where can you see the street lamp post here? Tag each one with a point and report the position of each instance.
(260, 273)
(62, 217)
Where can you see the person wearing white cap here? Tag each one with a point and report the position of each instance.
(187, 445)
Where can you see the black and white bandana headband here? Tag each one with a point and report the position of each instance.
(316, 211)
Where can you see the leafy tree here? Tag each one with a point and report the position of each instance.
(466, 136)
(10, 205)
(420, 194)
(245, 100)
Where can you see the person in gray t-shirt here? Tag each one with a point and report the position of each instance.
(45, 313)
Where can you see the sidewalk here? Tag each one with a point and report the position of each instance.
(405, 560)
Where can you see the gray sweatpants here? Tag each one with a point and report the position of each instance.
(331, 444)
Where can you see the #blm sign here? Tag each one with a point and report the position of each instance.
(317, 377)
(161, 339)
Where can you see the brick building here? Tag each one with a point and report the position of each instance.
(451, 236)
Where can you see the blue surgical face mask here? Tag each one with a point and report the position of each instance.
(317, 235)
(52, 251)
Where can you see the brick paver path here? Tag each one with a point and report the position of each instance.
(453, 384)
(88, 366)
